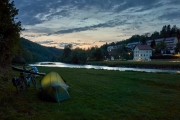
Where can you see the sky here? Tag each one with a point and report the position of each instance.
(87, 23)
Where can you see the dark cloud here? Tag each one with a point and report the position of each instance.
(74, 44)
(170, 15)
(28, 9)
(111, 23)
(31, 12)
(145, 4)
(174, 2)
(47, 42)
(28, 20)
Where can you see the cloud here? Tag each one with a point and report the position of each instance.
(74, 44)
(39, 11)
(110, 23)
(170, 15)
(91, 18)
(49, 42)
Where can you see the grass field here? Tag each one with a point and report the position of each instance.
(97, 94)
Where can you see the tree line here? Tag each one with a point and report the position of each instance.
(166, 31)
(33, 52)
(80, 56)
(30, 52)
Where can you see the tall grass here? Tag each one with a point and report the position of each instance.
(98, 94)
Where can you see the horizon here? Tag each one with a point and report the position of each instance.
(57, 23)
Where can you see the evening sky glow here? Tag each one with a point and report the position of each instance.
(86, 23)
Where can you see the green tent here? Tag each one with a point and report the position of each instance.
(54, 86)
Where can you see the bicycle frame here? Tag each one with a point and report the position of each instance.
(24, 81)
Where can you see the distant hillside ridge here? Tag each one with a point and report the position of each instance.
(39, 49)
(33, 52)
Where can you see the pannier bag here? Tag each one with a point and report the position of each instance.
(28, 78)
(16, 81)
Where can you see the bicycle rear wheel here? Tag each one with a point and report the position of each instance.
(33, 82)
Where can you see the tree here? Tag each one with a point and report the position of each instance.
(143, 40)
(98, 54)
(164, 32)
(160, 46)
(104, 49)
(9, 32)
(122, 51)
(66, 53)
(153, 44)
(155, 35)
(178, 47)
(168, 32)
(78, 56)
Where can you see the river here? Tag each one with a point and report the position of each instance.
(59, 64)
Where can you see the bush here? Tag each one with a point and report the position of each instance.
(165, 57)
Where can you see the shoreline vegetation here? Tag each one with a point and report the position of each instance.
(139, 64)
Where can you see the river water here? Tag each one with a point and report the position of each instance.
(59, 64)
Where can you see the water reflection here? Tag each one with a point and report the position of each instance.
(59, 64)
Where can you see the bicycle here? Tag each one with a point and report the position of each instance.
(23, 82)
(20, 82)
(31, 77)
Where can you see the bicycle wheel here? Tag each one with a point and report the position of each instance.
(33, 81)
(22, 85)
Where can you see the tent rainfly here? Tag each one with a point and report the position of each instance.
(55, 87)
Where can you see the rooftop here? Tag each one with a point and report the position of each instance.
(161, 39)
(143, 47)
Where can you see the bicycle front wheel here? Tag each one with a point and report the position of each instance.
(33, 82)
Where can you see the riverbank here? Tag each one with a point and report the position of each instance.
(99, 94)
(139, 64)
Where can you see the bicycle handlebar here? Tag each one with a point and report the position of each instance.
(27, 71)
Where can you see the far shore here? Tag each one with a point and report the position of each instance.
(139, 64)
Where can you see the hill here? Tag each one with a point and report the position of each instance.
(33, 52)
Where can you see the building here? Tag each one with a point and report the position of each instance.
(110, 48)
(168, 41)
(170, 50)
(132, 45)
(170, 45)
(142, 53)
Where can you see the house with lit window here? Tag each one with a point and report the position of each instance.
(142, 53)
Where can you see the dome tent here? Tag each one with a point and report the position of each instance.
(54, 86)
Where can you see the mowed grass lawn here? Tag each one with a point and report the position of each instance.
(98, 94)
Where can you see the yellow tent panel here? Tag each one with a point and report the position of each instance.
(53, 85)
